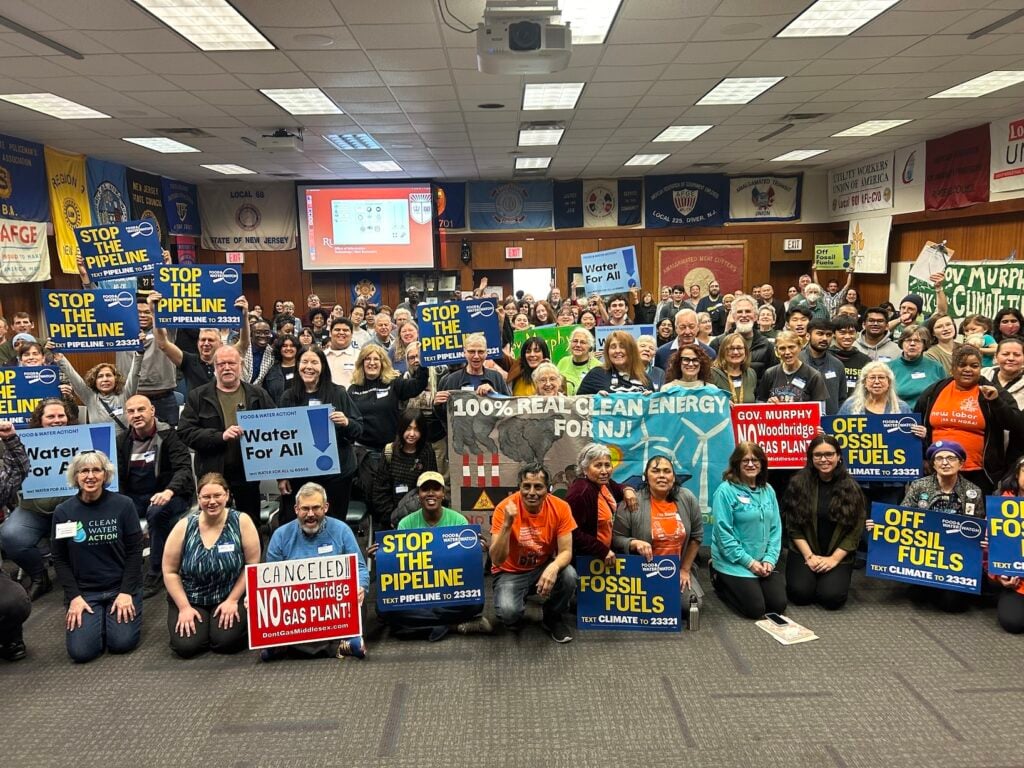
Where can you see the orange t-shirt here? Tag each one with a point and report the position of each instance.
(605, 514)
(957, 416)
(667, 531)
(533, 540)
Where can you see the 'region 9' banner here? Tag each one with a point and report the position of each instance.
(957, 169)
(69, 203)
(1005, 520)
(783, 430)
(629, 594)
(692, 200)
(430, 568)
(765, 198)
(303, 601)
(198, 295)
(878, 448)
(925, 547)
(21, 389)
(104, 320)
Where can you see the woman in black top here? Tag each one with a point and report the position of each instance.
(280, 376)
(405, 459)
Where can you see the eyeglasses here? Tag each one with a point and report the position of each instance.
(689, 361)
(751, 462)
(824, 456)
(946, 459)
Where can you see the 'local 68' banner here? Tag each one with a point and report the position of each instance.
(51, 450)
(91, 321)
(878, 448)
(198, 295)
(119, 250)
(925, 547)
(288, 442)
(430, 568)
(1005, 519)
(21, 389)
(444, 327)
(303, 601)
(629, 594)
(489, 439)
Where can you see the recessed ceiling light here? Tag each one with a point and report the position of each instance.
(682, 132)
(798, 154)
(381, 166)
(352, 141)
(835, 18)
(228, 169)
(738, 90)
(210, 25)
(982, 85)
(870, 128)
(540, 137)
(590, 19)
(645, 159)
(160, 144)
(302, 101)
(53, 105)
(551, 95)
(490, 105)
(532, 163)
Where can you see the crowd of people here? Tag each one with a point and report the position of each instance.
(777, 538)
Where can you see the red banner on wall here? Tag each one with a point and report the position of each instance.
(783, 430)
(957, 169)
(701, 263)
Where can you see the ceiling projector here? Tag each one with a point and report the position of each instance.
(521, 38)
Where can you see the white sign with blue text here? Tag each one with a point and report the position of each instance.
(288, 442)
(612, 271)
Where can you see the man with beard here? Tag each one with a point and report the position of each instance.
(257, 358)
(157, 375)
(816, 354)
(875, 341)
(197, 367)
(715, 307)
(912, 305)
(744, 314)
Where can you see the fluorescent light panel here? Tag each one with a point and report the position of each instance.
(590, 19)
(53, 105)
(228, 169)
(540, 137)
(869, 128)
(738, 90)
(835, 18)
(302, 101)
(682, 132)
(798, 154)
(982, 85)
(551, 95)
(645, 159)
(381, 166)
(161, 144)
(210, 25)
(532, 163)
(352, 141)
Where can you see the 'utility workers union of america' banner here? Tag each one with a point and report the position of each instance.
(490, 438)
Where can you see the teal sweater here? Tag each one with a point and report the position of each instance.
(913, 378)
(747, 528)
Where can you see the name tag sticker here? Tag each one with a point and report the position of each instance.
(325, 549)
(918, 375)
(381, 394)
(226, 548)
(830, 374)
(401, 488)
(67, 530)
(798, 382)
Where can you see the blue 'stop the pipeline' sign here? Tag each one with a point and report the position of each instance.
(430, 567)
(198, 295)
(122, 249)
(444, 327)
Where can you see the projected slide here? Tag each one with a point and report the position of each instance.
(371, 222)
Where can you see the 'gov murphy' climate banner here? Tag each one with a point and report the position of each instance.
(490, 438)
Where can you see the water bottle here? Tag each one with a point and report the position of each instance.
(693, 624)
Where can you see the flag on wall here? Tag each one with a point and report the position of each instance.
(869, 245)
(957, 169)
(108, 191)
(450, 199)
(510, 205)
(69, 203)
(765, 198)
(601, 203)
(249, 216)
(631, 202)
(24, 255)
(147, 201)
(1007, 139)
(568, 204)
(690, 200)
(181, 206)
(22, 180)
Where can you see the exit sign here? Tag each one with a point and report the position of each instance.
(513, 253)
(235, 257)
(793, 244)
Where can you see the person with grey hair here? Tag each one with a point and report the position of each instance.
(547, 380)
(647, 346)
(313, 534)
(580, 360)
(812, 300)
(97, 553)
(593, 498)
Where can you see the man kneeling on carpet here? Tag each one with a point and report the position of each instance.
(313, 534)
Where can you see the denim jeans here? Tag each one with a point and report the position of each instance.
(15, 608)
(511, 589)
(100, 630)
(20, 535)
(160, 519)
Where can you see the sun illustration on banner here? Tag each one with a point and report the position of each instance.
(702, 276)
(616, 455)
(857, 241)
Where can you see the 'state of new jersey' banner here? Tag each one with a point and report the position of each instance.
(630, 594)
(697, 200)
(612, 271)
(126, 249)
(21, 389)
(69, 203)
(108, 191)
(198, 295)
(1005, 520)
(430, 568)
(925, 547)
(510, 205)
(765, 198)
(51, 450)
(303, 601)
(443, 328)
(957, 169)
(783, 430)
(288, 442)
(181, 206)
(863, 186)
(24, 255)
(878, 448)
(103, 320)
(248, 217)
(22, 180)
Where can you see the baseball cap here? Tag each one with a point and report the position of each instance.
(430, 477)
